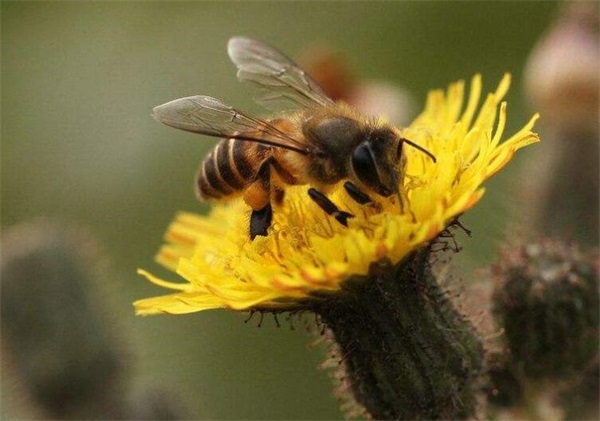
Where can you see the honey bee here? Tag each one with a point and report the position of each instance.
(314, 141)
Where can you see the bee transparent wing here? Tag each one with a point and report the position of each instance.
(211, 117)
(285, 85)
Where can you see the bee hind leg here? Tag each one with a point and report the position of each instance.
(329, 207)
(260, 221)
(258, 197)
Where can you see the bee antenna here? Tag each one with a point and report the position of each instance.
(422, 149)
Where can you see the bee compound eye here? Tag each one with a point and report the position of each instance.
(364, 165)
(367, 171)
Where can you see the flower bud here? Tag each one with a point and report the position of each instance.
(546, 299)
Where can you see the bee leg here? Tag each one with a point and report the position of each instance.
(329, 207)
(260, 220)
(278, 195)
(357, 194)
(258, 197)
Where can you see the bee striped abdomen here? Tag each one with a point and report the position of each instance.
(229, 168)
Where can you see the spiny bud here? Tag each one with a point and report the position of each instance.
(64, 353)
(546, 299)
(64, 346)
(561, 181)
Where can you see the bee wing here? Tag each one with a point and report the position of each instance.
(285, 85)
(211, 117)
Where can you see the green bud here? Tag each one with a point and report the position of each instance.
(546, 299)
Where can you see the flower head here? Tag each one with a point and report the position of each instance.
(307, 253)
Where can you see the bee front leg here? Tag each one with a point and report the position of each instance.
(357, 194)
(329, 207)
(258, 197)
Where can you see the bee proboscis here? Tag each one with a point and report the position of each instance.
(315, 142)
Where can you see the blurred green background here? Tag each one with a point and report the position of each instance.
(78, 144)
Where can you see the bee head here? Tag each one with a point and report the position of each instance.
(369, 155)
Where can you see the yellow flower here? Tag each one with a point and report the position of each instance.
(307, 253)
